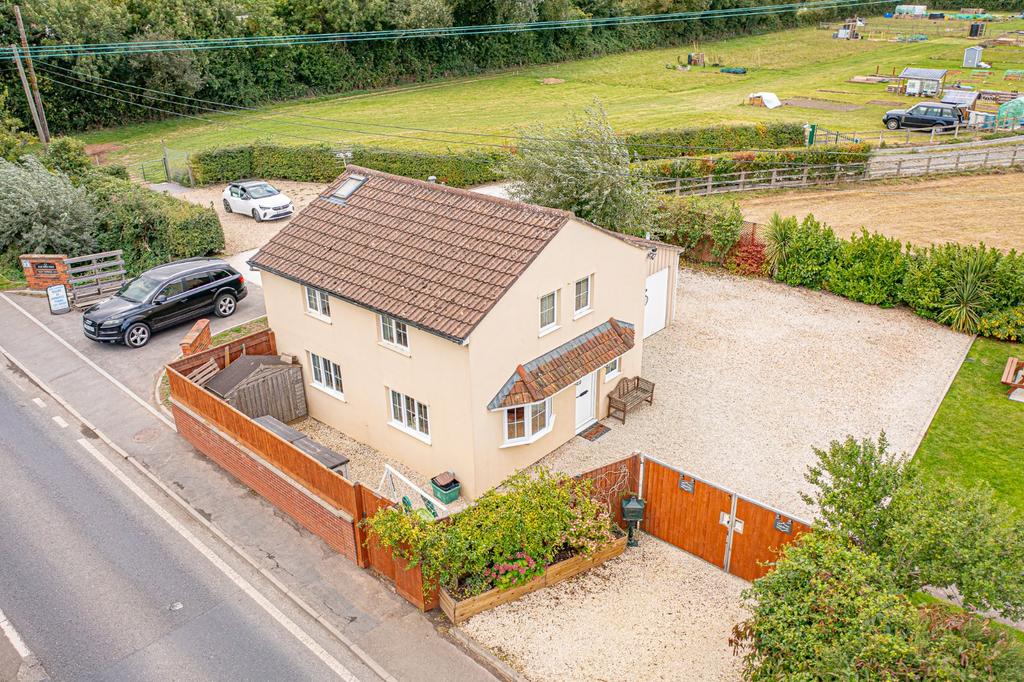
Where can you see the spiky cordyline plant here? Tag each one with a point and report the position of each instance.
(968, 293)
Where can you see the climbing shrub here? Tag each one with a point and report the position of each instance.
(506, 538)
(691, 222)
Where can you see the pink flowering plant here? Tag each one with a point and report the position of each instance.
(509, 536)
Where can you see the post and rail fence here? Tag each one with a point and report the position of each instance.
(877, 168)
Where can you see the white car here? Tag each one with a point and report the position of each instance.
(257, 198)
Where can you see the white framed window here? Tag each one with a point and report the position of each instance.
(581, 301)
(611, 370)
(394, 332)
(410, 415)
(526, 423)
(326, 375)
(548, 312)
(318, 303)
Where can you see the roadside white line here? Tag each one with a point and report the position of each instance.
(39, 403)
(360, 653)
(287, 623)
(13, 637)
(102, 372)
(59, 421)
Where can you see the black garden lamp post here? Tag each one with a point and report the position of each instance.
(633, 514)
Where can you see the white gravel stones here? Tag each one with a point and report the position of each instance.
(654, 613)
(753, 374)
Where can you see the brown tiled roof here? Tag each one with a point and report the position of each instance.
(437, 257)
(544, 376)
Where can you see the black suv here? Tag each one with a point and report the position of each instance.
(163, 297)
(924, 115)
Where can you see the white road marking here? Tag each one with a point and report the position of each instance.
(13, 637)
(59, 421)
(102, 372)
(39, 403)
(243, 584)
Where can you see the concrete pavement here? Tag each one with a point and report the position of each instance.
(400, 639)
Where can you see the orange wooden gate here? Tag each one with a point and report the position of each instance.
(732, 532)
(685, 512)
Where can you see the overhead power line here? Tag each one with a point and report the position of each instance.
(163, 97)
(219, 43)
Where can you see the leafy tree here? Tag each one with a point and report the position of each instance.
(927, 533)
(831, 611)
(43, 212)
(584, 168)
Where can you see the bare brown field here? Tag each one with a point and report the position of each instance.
(965, 209)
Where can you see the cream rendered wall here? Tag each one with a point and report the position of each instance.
(436, 372)
(508, 336)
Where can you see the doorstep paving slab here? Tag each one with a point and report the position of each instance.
(355, 601)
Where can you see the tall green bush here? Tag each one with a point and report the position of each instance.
(810, 250)
(868, 268)
(688, 221)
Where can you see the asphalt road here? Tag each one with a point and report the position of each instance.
(100, 587)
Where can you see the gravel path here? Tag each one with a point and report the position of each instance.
(753, 374)
(655, 613)
(242, 233)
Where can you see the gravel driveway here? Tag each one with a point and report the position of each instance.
(753, 374)
(654, 613)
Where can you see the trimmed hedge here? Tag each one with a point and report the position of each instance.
(659, 143)
(151, 228)
(319, 163)
(755, 162)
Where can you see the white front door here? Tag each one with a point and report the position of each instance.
(656, 302)
(586, 401)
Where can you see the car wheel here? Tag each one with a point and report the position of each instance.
(137, 335)
(256, 215)
(227, 206)
(892, 124)
(225, 305)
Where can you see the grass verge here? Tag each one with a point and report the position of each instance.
(978, 434)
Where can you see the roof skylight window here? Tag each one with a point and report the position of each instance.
(349, 187)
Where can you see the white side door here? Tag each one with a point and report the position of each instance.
(656, 302)
(586, 401)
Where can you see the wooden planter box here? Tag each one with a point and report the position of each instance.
(459, 611)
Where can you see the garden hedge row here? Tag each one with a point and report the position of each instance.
(701, 141)
(969, 288)
(755, 162)
(319, 163)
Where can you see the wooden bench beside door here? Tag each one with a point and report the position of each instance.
(627, 394)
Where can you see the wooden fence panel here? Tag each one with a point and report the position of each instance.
(688, 520)
(760, 539)
(378, 558)
(613, 482)
(259, 343)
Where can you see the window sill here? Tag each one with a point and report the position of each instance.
(318, 316)
(329, 391)
(612, 375)
(547, 330)
(401, 350)
(532, 439)
(582, 313)
(409, 432)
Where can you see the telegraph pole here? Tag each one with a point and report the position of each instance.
(41, 123)
(28, 93)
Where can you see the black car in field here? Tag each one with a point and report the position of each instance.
(936, 115)
(163, 297)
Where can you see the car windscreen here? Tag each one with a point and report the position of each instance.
(139, 289)
(261, 191)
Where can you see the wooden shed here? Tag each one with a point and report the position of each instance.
(258, 385)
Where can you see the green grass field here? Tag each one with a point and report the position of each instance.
(978, 434)
(637, 90)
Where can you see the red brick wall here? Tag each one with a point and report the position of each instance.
(43, 270)
(198, 338)
(338, 532)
